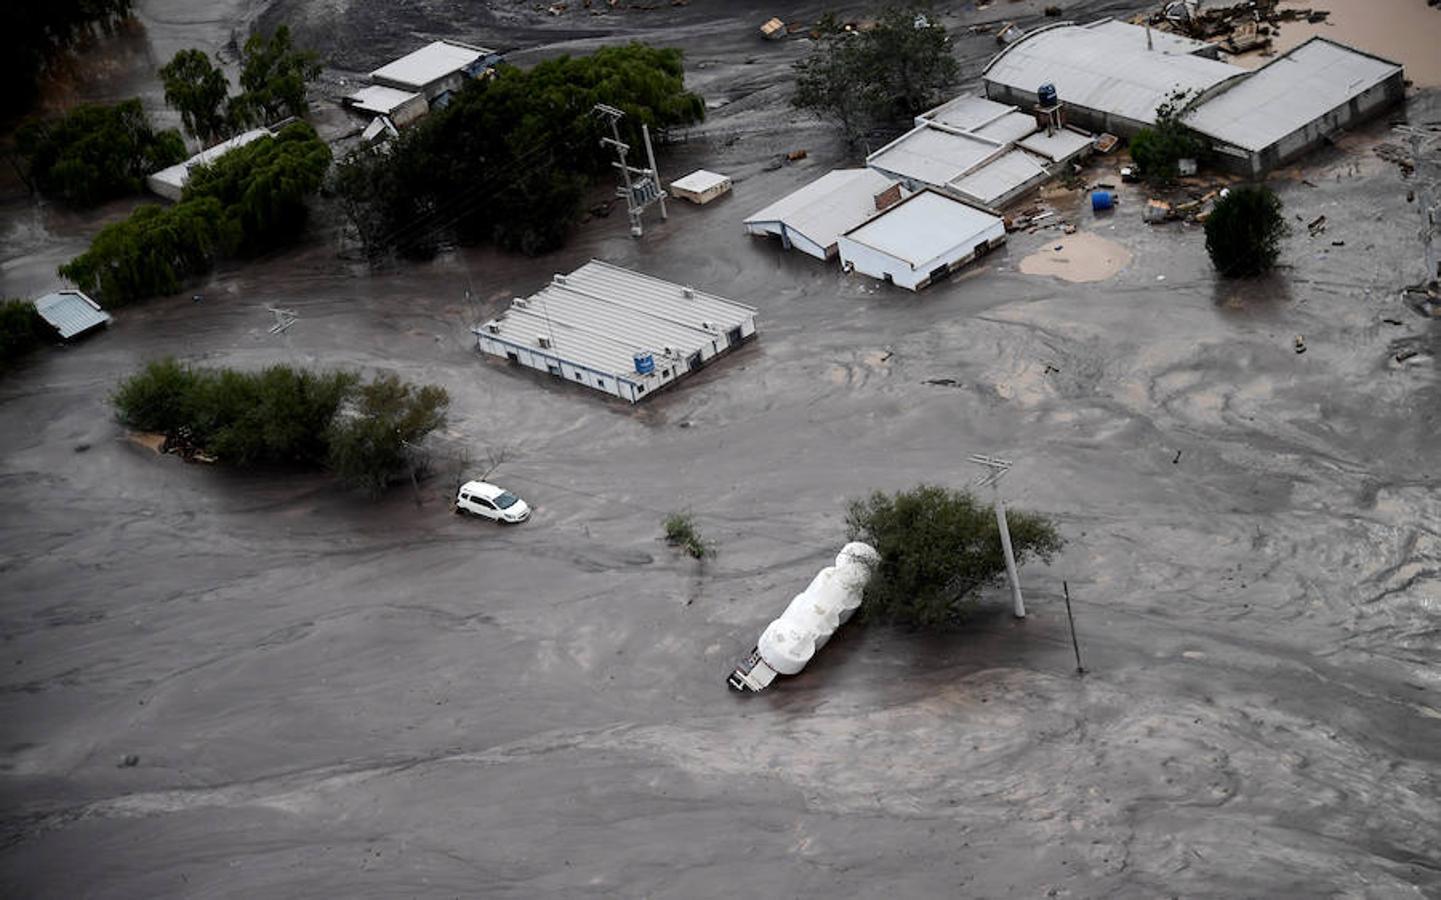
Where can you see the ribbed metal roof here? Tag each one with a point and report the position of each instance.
(430, 63)
(71, 312)
(1058, 145)
(924, 226)
(990, 183)
(933, 155)
(829, 206)
(1106, 66)
(600, 315)
(966, 113)
(1008, 128)
(380, 99)
(1288, 93)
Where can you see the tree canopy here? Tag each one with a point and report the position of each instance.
(195, 87)
(881, 77)
(938, 547)
(1158, 149)
(273, 76)
(372, 439)
(509, 159)
(96, 153)
(37, 33)
(1244, 231)
(21, 330)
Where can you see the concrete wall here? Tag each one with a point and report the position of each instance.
(870, 261)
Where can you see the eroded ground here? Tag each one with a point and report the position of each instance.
(327, 697)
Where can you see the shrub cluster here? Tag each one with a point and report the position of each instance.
(96, 153)
(680, 531)
(285, 416)
(21, 330)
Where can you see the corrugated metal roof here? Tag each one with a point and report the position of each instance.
(998, 178)
(966, 113)
(933, 155)
(380, 99)
(700, 180)
(599, 315)
(1105, 66)
(1289, 92)
(1008, 128)
(922, 227)
(71, 312)
(1058, 145)
(430, 63)
(829, 206)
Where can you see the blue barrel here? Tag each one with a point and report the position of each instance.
(1102, 200)
(1046, 96)
(644, 362)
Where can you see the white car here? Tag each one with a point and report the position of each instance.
(491, 501)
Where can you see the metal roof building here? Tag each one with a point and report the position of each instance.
(933, 155)
(401, 107)
(435, 69)
(71, 312)
(1283, 109)
(813, 218)
(170, 182)
(616, 331)
(920, 240)
(1003, 179)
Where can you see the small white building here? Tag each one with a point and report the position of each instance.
(170, 183)
(435, 69)
(71, 313)
(920, 240)
(616, 331)
(701, 186)
(401, 107)
(813, 218)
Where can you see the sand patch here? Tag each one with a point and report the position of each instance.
(1083, 257)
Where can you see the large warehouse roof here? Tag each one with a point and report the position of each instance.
(829, 206)
(1106, 66)
(430, 63)
(923, 227)
(599, 315)
(1289, 92)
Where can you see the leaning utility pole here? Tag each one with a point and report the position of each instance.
(996, 469)
(642, 190)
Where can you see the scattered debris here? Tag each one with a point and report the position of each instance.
(1406, 354)
(943, 382)
(1392, 321)
(1177, 460)
(1317, 225)
(1157, 211)
(1300, 344)
(1106, 142)
(796, 155)
(773, 29)
(128, 761)
(1338, 243)
(1068, 228)
(1009, 33)
(1130, 173)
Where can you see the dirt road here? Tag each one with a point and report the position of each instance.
(327, 697)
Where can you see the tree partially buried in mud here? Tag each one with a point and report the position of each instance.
(1244, 232)
(938, 548)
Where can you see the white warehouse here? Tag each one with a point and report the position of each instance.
(616, 331)
(920, 240)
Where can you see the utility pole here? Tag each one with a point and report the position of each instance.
(1426, 158)
(996, 469)
(640, 187)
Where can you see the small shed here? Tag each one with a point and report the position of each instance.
(920, 240)
(71, 313)
(435, 69)
(701, 186)
(401, 107)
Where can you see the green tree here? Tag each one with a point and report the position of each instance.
(1158, 149)
(21, 330)
(273, 76)
(96, 153)
(198, 90)
(881, 77)
(373, 439)
(155, 251)
(1244, 231)
(937, 548)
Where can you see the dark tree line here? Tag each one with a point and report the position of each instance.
(273, 76)
(36, 33)
(95, 153)
(251, 199)
(509, 160)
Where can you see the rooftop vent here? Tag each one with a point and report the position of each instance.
(520, 303)
(688, 293)
(543, 341)
(559, 279)
(493, 327)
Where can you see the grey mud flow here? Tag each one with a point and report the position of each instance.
(256, 684)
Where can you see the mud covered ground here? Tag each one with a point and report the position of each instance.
(328, 697)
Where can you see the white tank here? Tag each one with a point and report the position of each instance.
(813, 616)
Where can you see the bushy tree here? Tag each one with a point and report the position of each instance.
(509, 159)
(195, 87)
(155, 251)
(95, 152)
(881, 77)
(1244, 231)
(937, 548)
(373, 439)
(38, 32)
(21, 330)
(263, 186)
(273, 76)
(1158, 149)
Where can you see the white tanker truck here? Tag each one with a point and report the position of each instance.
(812, 617)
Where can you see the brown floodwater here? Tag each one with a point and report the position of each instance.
(1081, 257)
(1406, 31)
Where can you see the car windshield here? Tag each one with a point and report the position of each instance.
(506, 500)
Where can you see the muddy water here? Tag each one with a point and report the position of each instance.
(1081, 257)
(1407, 31)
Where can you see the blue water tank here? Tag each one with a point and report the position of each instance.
(644, 362)
(1046, 96)
(1102, 200)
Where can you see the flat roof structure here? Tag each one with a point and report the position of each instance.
(426, 69)
(932, 155)
(71, 312)
(966, 113)
(1283, 96)
(923, 226)
(813, 217)
(1007, 128)
(170, 182)
(379, 100)
(701, 186)
(615, 330)
(1104, 67)
(1003, 179)
(1060, 145)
